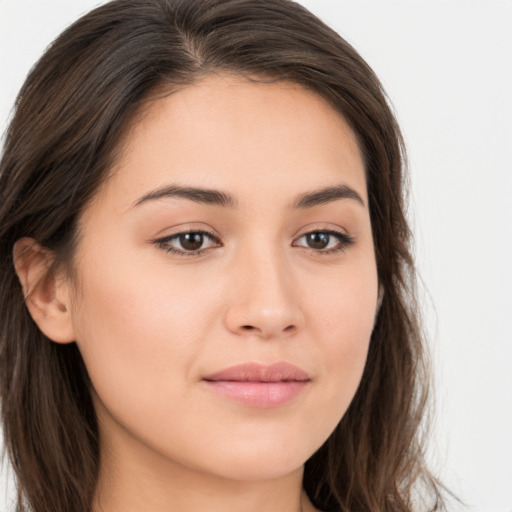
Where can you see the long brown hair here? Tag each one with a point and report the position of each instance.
(69, 119)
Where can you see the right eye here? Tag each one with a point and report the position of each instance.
(189, 243)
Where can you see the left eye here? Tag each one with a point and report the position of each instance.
(190, 242)
(324, 241)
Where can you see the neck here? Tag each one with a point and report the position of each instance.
(138, 492)
(138, 483)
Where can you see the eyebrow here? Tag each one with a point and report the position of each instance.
(219, 198)
(327, 195)
(198, 195)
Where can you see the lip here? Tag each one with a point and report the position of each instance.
(259, 385)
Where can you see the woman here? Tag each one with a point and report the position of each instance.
(203, 204)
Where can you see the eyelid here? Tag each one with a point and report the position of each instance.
(345, 240)
(163, 242)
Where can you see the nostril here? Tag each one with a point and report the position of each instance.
(249, 328)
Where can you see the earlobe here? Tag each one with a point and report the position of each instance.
(46, 295)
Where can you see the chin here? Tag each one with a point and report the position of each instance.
(258, 468)
(263, 458)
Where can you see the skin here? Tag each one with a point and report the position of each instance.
(151, 324)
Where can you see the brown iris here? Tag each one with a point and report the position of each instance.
(191, 241)
(318, 240)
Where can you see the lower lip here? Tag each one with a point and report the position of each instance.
(259, 394)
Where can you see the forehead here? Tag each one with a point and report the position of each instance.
(226, 132)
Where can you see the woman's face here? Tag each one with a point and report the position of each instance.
(235, 230)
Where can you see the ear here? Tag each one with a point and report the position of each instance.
(46, 295)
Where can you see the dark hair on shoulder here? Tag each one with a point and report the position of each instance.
(70, 117)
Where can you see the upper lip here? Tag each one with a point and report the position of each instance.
(256, 372)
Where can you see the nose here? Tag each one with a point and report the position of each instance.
(264, 301)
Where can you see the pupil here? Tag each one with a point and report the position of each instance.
(191, 241)
(318, 240)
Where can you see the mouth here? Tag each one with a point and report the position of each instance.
(258, 385)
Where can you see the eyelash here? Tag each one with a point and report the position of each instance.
(344, 242)
(163, 243)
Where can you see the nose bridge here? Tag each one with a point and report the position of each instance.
(265, 302)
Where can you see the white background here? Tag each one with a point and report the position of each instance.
(447, 67)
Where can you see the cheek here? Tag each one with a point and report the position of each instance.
(133, 322)
(342, 317)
